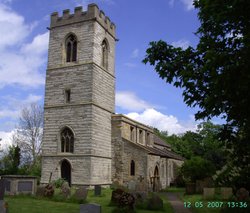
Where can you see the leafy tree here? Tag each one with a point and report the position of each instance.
(215, 75)
(29, 133)
(196, 169)
(11, 160)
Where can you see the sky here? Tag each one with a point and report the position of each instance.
(140, 93)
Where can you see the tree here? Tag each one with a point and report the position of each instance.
(196, 169)
(29, 133)
(215, 75)
(11, 160)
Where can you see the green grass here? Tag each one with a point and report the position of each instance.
(31, 204)
(27, 204)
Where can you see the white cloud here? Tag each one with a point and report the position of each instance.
(38, 46)
(6, 139)
(188, 4)
(20, 64)
(183, 43)
(129, 101)
(130, 65)
(13, 106)
(13, 29)
(83, 3)
(135, 53)
(162, 122)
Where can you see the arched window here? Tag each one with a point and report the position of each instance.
(132, 168)
(67, 140)
(71, 48)
(105, 54)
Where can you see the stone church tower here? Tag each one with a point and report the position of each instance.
(79, 98)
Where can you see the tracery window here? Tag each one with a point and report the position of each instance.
(67, 140)
(132, 168)
(71, 48)
(105, 54)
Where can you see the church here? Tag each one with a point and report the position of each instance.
(84, 141)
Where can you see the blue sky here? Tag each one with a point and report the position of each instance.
(140, 93)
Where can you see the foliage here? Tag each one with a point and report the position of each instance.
(215, 75)
(196, 169)
(204, 143)
(59, 182)
(11, 160)
(29, 133)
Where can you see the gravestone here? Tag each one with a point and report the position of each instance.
(3, 207)
(208, 193)
(226, 192)
(25, 186)
(132, 185)
(199, 185)
(81, 193)
(142, 186)
(90, 208)
(65, 190)
(242, 194)
(98, 190)
(2, 202)
(2, 188)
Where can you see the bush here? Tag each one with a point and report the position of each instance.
(196, 169)
(59, 182)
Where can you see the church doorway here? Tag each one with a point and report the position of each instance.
(66, 171)
(156, 180)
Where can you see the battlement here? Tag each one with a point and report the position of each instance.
(93, 13)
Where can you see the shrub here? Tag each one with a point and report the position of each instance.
(59, 182)
(196, 169)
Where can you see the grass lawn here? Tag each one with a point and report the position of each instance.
(29, 204)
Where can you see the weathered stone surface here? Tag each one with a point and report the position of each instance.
(3, 206)
(190, 188)
(226, 192)
(2, 188)
(90, 208)
(81, 193)
(92, 100)
(242, 194)
(208, 193)
(98, 190)
(49, 190)
(40, 191)
(131, 185)
(155, 203)
(65, 190)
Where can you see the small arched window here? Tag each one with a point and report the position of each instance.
(105, 54)
(132, 168)
(71, 48)
(67, 140)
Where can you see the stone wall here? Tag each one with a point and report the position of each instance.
(88, 114)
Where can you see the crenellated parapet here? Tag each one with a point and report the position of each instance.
(93, 13)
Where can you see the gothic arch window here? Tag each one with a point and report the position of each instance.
(71, 48)
(132, 168)
(67, 140)
(105, 54)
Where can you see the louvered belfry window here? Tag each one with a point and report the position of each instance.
(71, 48)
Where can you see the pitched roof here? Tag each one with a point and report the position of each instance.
(156, 151)
(160, 142)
